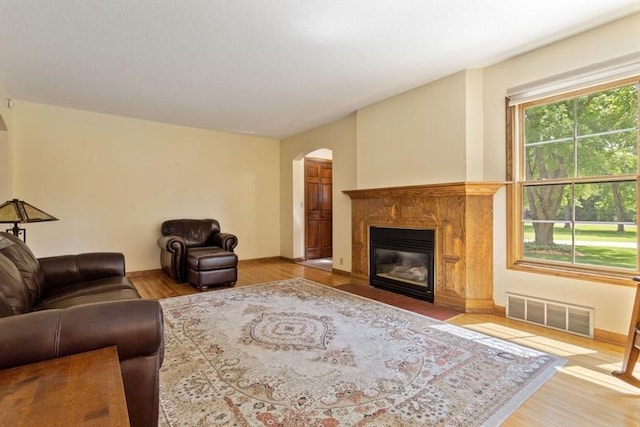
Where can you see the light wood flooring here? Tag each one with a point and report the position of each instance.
(582, 393)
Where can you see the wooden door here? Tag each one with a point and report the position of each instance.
(318, 208)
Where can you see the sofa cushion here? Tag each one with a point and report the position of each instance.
(63, 270)
(107, 289)
(28, 265)
(14, 296)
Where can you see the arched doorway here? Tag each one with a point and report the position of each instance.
(318, 187)
(313, 209)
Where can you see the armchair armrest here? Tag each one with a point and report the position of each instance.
(173, 251)
(134, 326)
(226, 241)
(173, 244)
(69, 269)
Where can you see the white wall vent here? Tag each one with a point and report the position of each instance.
(552, 314)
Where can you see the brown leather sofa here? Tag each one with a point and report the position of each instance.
(195, 251)
(57, 306)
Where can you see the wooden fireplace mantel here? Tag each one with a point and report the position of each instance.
(460, 213)
(447, 189)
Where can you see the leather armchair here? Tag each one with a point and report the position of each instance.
(181, 235)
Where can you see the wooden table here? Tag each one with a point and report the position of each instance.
(83, 389)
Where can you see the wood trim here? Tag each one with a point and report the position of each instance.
(468, 305)
(359, 279)
(446, 189)
(514, 115)
(509, 112)
(512, 225)
(610, 337)
(342, 273)
(583, 91)
(142, 272)
(622, 279)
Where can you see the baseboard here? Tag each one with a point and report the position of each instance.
(610, 337)
(498, 310)
(240, 262)
(265, 259)
(343, 273)
(143, 272)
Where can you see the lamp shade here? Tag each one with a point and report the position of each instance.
(18, 211)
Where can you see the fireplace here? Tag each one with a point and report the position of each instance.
(401, 260)
(460, 216)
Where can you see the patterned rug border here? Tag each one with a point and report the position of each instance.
(498, 417)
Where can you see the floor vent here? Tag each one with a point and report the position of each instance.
(556, 315)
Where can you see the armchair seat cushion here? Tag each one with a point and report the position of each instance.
(205, 259)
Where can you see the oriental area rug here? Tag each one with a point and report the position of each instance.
(297, 353)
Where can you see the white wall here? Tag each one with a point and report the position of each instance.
(339, 137)
(612, 303)
(5, 151)
(417, 137)
(474, 117)
(322, 153)
(112, 181)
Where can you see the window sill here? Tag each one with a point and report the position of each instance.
(608, 277)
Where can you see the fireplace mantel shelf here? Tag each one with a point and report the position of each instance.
(461, 215)
(485, 188)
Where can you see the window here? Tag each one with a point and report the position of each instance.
(574, 199)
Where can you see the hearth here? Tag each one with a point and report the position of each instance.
(401, 260)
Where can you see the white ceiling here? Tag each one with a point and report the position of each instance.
(264, 67)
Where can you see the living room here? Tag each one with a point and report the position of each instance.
(112, 180)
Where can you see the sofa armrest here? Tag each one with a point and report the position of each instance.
(134, 326)
(226, 241)
(69, 269)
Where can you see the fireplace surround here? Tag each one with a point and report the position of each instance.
(461, 217)
(401, 260)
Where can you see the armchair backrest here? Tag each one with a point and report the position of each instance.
(194, 232)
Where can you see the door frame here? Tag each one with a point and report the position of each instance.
(298, 200)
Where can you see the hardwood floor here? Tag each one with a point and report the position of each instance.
(582, 393)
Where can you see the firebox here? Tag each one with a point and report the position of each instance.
(401, 260)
